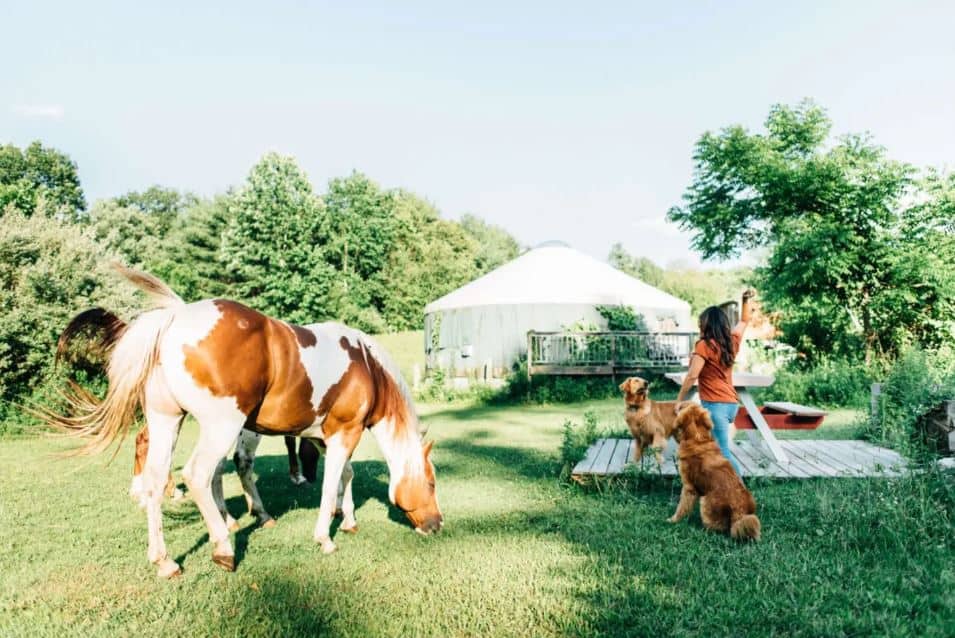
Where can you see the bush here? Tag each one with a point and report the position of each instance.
(826, 383)
(917, 382)
(49, 272)
(543, 389)
(436, 390)
(622, 318)
(551, 389)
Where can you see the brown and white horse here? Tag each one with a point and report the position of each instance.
(238, 371)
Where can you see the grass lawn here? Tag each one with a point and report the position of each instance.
(406, 348)
(521, 553)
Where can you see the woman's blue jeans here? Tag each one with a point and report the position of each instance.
(723, 415)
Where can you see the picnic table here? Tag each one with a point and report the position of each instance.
(743, 381)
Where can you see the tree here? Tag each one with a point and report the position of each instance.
(640, 267)
(164, 205)
(700, 288)
(432, 257)
(40, 175)
(832, 214)
(191, 257)
(495, 245)
(272, 246)
(49, 271)
(126, 232)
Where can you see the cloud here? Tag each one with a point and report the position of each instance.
(44, 111)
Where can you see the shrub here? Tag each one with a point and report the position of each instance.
(49, 272)
(826, 383)
(917, 382)
(551, 389)
(622, 318)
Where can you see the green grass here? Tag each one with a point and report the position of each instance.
(406, 348)
(521, 553)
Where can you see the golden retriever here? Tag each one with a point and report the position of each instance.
(725, 503)
(650, 422)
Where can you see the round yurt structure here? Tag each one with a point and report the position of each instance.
(479, 330)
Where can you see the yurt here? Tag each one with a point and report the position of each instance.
(480, 329)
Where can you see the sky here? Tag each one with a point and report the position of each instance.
(572, 121)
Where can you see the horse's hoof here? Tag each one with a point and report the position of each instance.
(168, 569)
(350, 530)
(327, 545)
(268, 523)
(225, 562)
(298, 479)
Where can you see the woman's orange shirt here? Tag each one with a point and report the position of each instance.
(716, 380)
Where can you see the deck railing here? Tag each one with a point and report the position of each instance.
(596, 353)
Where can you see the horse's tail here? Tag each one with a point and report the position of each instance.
(746, 528)
(102, 326)
(134, 356)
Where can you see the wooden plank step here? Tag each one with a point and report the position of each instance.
(584, 465)
(808, 458)
(809, 461)
(766, 465)
(602, 462)
(620, 457)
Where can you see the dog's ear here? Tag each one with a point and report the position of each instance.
(623, 386)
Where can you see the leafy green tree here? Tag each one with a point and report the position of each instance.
(700, 288)
(495, 245)
(126, 232)
(40, 175)
(191, 257)
(432, 257)
(272, 246)
(833, 214)
(164, 205)
(49, 271)
(640, 267)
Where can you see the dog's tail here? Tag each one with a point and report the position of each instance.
(746, 528)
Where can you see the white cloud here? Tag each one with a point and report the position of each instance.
(45, 111)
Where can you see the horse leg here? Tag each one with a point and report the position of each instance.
(218, 497)
(244, 462)
(215, 439)
(139, 462)
(295, 474)
(338, 450)
(345, 502)
(164, 429)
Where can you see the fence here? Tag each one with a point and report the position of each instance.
(596, 353)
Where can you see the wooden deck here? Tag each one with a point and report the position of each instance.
(808, 459)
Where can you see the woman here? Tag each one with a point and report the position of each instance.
(712, 365)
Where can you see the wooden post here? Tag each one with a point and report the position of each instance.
(876, 390)
(613, 356)
(530, 353)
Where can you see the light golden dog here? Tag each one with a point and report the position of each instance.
(650, 422)
(725, 503)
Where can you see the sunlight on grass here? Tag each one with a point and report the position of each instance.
(522, 554)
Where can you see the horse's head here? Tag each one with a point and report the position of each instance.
(415, 495)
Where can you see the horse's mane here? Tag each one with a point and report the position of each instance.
(387, 363)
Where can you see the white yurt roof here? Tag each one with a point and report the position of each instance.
(554, 273)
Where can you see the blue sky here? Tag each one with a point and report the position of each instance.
(571, 121)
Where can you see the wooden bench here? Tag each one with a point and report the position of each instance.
(783, 415)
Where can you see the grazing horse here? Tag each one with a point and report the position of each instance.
(100, 329)
(235, 369)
